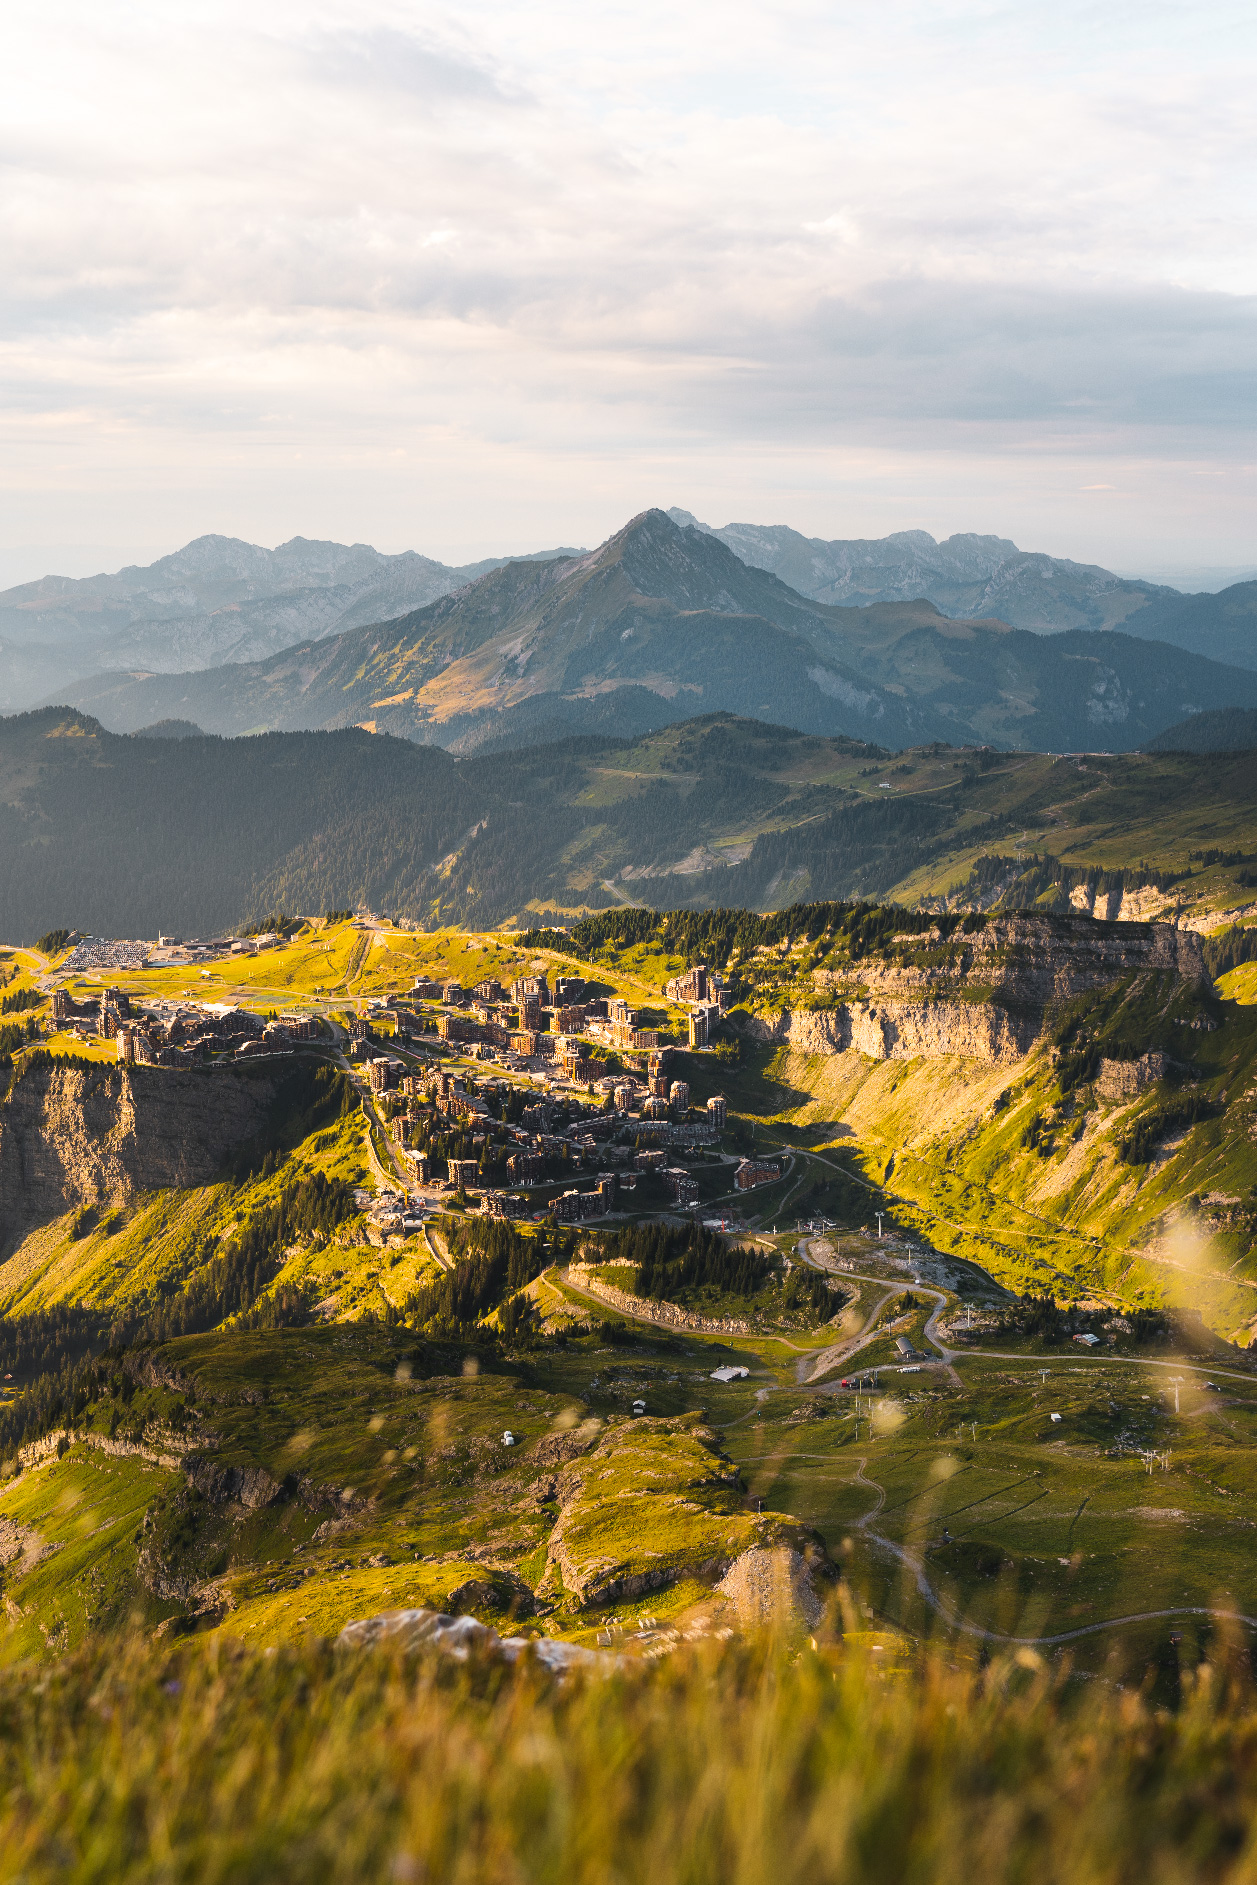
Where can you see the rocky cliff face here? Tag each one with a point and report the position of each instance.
(982, 996)
(1025, 959)
(905, 1030)
(72, 1135)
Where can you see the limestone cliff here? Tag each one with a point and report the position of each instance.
(1026, 959)
(982, 995)
(905, 1030)
(72, 1134)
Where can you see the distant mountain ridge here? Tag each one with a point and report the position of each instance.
(664, 621)
(970, 576)
(1222, 626)
(218, 599)
(221, 600)
(967, 575)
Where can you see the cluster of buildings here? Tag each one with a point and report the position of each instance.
(549, 1135)
(176, 1034)
(527, 1021)
(522, 1023)
(706, 996)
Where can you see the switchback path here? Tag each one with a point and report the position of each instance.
(832, 1358)
(397, 1176)
(441, 1262)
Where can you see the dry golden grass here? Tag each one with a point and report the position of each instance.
(722, 1763)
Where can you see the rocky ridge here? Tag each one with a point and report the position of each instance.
(965, 575)
(982, 995)
(217, 600)
(655, 1501)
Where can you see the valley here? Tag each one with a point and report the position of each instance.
(971, 1346)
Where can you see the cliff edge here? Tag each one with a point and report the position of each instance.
(983, 995)
(72, 1134)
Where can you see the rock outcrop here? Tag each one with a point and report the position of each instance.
(463, 1637)
(73, 1135)
(982, 994)
(905, 1030)
(654, 1502)
(1125, 1079)
(772, 1588)
(1024, 959)
(249, 1486)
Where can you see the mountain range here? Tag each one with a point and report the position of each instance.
(989, 576)
(664, 621)
(221, 600)
(966, 575)
(218, 599)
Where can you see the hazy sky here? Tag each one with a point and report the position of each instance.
(493, 277)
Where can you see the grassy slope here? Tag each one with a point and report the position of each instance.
(392, 1465)
(131, 1258)
(1115, 812)
(1053, 1526)
(1067, 1217)
(656, 1502)
(999, 1163)
(574, 825)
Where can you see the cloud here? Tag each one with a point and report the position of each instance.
(668, 239)
(383, 59)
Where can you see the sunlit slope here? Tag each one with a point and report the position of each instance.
(998, 1164)
(129, 1261)
(272, 1482)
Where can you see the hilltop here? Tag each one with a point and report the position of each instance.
(1226, 730)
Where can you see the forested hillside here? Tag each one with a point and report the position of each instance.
(1229, 730)
(132, 836)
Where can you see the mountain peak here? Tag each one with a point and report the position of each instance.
(686, 520)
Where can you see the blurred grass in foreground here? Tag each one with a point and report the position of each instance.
(734, 1763)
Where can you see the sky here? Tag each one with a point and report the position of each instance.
(494, 278)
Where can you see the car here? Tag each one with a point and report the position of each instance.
(639, 1407)
(1212, 1387)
